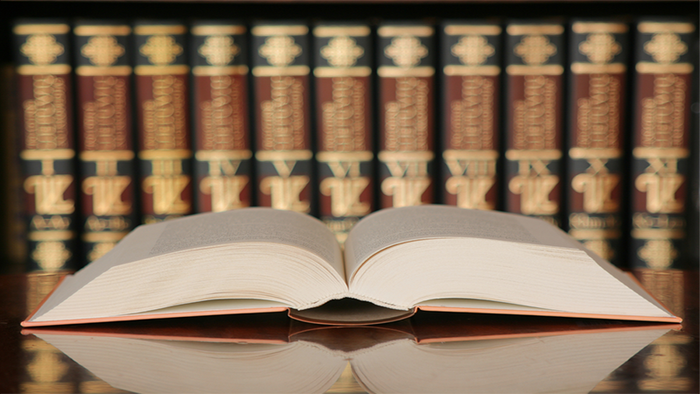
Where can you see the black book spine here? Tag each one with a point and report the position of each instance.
(343, 73)
(661, 142)
(533, 138)
(222, 165)
(47, 150)
(105, 134)
(471, 73)
(598, 55)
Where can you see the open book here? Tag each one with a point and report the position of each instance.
(536, 362)
(395, 262)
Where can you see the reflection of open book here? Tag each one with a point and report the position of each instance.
(523, 364)
(396, 261)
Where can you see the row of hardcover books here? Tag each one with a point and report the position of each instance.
(344, 121)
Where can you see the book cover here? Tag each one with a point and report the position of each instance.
(281, 74)
(47, 149)
(105, 134)
(533, 137)
(598, 54)
(406, 72)
(162, 96)
(343, 72)
(661, 148)
(471, 72)
(222, 157)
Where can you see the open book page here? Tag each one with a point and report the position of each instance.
(395, 226)
(206, 232)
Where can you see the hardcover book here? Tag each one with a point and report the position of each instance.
(223, 157)
(281, 75)
(380, 359)
(534, 96)
(105, 134)
(343, 72)
(395, 262)
(598, 56)
(406, 72)
(47, 149)
(471, 58)
(661, 145)
(162, 97)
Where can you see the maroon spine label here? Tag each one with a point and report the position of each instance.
(222, 144)
(282, 109)
(47, 149)
(534, 127)
(406, 119)
(162, 79)
(661, 146)
(471, 73)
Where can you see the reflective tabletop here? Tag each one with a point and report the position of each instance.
(431, 352)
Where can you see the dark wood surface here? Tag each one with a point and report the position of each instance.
(28, 364)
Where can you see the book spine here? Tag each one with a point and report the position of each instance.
(222, 165)
(598, 55)
(343, 70)
(281, 67)
(47, 148)
(471, 58)
(661, 148)
(534, 81)
(106, 154)
(13, 244)
(406, 121)
(164, 152)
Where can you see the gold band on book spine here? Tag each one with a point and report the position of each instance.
(457, 70)
(418, 31)
(272, 71)
(459, 30)
(51, 69)
(660, 27)
(398, 72)
(292, 30)
(332, 31)
(210, 30)
(41, 28)
(551, 69)
(656, 68)
(331, 72)
(147, 30)
(598, 27)
(90, 30)
(94, 71)
(519, 30)
(210, 71)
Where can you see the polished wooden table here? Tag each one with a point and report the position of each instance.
(431, 352)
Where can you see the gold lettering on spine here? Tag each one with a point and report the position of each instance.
(46, 128)
(223, 131)
(344, 131)
(406, 130)
(283, 130)
(166, 184)
(535, 129)
(472, 132)
(165, 129)
(663, 126)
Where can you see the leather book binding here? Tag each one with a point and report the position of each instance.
(281, 75)
(222, 165)
(471, 70)
(47, 150)
(162, 107)
(406, 71)
(598, 53)
(661, 147)
(534, 95)
(105, 134)
(343, 72)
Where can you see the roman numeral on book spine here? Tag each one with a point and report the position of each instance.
(343, 71)
(406, 115)
(162, 92)
(598, 55)
(222, 165)
(661, 145)
(105, 135)
(47, 149)
(534, 81)
(471, 70)
(281, 68)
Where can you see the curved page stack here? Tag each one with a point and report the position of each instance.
(395, 262)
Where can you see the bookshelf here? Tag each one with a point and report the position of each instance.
(374, 11)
